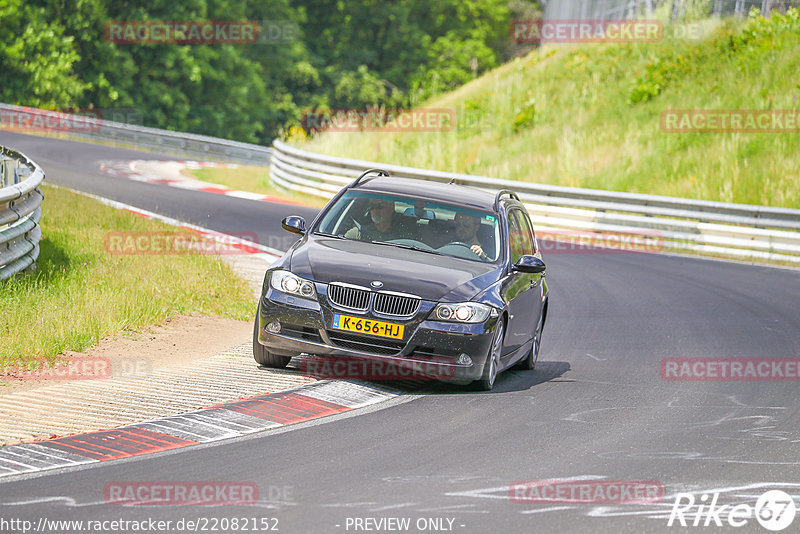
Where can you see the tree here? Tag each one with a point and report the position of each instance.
(36, 59)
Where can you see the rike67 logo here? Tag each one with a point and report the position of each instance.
(775, 510)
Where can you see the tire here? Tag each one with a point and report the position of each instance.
(486, 382)
(529, 362)
(263, 356)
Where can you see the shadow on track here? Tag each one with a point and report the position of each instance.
(510, 380)
(507, 381)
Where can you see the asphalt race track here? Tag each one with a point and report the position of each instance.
(596, 408)
(76, 165)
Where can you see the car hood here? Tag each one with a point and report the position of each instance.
(432, 277)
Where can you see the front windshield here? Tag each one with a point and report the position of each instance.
(413, 223)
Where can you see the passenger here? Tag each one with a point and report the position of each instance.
(467, 232)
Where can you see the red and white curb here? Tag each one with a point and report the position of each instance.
(168, 173)
(228, 420)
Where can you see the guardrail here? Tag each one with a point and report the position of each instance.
(20, 212)
(207, 148)
(716, 228)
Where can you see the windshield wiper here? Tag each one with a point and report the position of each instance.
(335, 236)
(407, 247)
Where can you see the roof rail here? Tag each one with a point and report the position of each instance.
(501, 193)
(379, 172)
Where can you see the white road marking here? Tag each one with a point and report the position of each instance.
(550, 509)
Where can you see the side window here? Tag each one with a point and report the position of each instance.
(519, 235)
(527, 230)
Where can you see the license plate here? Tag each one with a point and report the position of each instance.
(368, 326)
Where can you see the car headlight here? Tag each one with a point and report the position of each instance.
(294, 285)
(464, 312)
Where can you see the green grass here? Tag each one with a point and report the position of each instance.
(253, 179)
(82, 293)
(589, 116)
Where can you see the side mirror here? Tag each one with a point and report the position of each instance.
(294, 224)
(529, 264)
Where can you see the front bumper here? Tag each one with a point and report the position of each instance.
(428, 348)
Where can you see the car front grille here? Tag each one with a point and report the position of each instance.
(349, 297)
(398, 305)
(385, 303)
(365, 344)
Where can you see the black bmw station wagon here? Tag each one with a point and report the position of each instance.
(409, 272)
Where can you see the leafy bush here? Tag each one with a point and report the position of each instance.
(675, 60)
(526, 116)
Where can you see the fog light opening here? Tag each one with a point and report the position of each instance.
(463, 359)
(274, 327)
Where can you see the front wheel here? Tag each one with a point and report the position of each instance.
(529, 363)
(486, 382)
(265, 357)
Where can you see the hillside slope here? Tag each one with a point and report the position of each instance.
(590, 116)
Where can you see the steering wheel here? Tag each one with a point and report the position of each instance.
(462, 244)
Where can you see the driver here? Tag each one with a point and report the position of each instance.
(467, 232)
(383, 224)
